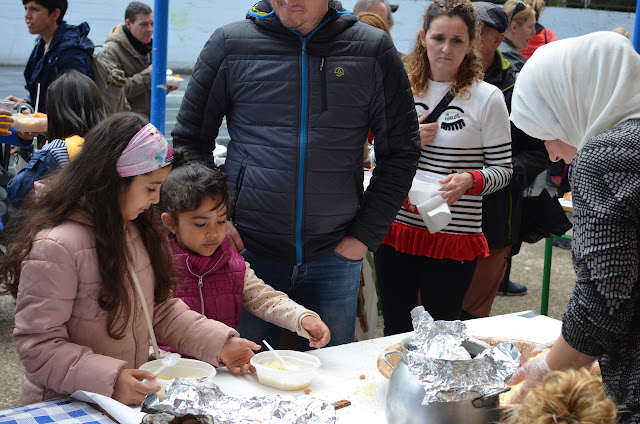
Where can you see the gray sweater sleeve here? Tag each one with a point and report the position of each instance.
(603, 314)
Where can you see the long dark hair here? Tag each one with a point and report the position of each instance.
(91, 183)
(417, 62)
(188, 183)
(74, 105)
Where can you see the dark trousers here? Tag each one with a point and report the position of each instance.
(443, 284)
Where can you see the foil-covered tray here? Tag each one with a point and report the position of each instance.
(193, 401)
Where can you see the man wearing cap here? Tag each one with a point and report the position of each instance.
(502, 210)
(380, 7)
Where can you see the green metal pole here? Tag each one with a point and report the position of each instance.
(546, 276)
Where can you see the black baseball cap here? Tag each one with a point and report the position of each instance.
(491, 15)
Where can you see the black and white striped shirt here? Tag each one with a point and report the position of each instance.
(473, 135)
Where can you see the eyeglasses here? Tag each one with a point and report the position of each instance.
(520, 6)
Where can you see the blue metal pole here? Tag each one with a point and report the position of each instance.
(636, 29)
(159, 60)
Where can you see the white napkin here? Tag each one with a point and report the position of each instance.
(123, 414)
(435, 213)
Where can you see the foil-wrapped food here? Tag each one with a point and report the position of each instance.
(445, 367)
(200, 401)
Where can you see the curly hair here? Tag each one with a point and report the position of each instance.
(188, 183)
(91, 183)
(565, 397)
(417, 62)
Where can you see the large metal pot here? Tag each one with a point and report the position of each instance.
(405, 394)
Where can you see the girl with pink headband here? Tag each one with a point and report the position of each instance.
(93, 274)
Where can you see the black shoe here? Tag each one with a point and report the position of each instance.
(562, 244)
(512, 289)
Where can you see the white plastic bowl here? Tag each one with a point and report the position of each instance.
(186, 368)
(27, 123)
(286, 380)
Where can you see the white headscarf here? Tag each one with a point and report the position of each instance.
(577, 88)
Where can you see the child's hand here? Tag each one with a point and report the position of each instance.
(130, 390)
(236, 354)
(320, 333)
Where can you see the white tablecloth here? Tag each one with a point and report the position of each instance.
(339, 376)
(342, 366)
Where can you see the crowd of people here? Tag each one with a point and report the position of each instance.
(277, 240)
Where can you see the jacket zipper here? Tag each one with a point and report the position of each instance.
(200, 277)
(323, 85)
(200, 290)
(302, 152)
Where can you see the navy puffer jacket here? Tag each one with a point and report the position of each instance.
(70, 48)
(298, 110)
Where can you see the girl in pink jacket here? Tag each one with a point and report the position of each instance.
(213, 278)
(92, 271)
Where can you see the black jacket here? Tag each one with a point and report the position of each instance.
(298, 110)
(502, 210)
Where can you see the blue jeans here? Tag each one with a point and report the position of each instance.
(327, 286)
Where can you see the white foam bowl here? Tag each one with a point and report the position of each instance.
(186, 368)
(425, 186)
(286, 380)
(174, 81)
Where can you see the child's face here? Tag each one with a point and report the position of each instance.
(143, 192)
(201, 230)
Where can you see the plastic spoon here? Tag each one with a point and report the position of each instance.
(168, 361)
(277, 355)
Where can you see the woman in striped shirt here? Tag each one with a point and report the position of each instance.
(470, 145)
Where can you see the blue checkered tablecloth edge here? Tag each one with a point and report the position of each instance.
(59, 411)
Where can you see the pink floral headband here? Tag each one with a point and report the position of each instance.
(146, 152)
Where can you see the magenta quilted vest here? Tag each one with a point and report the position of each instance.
(219, 296)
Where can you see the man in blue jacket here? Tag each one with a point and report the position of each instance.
(59, 48)
(300, 83)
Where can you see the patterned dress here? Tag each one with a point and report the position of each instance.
(603, 315)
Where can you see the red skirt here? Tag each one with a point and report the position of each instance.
(420, 242)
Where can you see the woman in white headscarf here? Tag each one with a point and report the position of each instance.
(582, 95)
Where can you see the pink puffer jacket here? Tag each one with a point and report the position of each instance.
(60, 332)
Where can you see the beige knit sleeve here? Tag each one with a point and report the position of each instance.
(273, 306)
